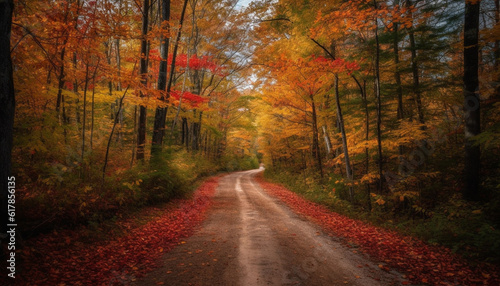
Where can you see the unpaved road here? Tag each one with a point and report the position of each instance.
(252, 239)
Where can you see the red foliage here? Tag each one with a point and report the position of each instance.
(59, 258)
(337, 64)
(421, 262)
(195, 62)
(68, 85)
(192, 98)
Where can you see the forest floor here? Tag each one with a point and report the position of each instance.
(241, 230)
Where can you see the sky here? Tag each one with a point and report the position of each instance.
(244, 3)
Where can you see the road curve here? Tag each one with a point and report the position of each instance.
(252, 239)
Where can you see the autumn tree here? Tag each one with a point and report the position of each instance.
(143, 69)
(471, 100)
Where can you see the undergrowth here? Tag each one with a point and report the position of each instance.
(68, 201)
(466, 228)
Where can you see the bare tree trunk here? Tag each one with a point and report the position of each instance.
(75, 89)
(84, 118)
(184, 131)
(397, 74)
(118, 64)
(61, 83)
(397, 77)
(161, 112)
(134, 143)
(340, 118)
(415, 71)
(362, 91)
(326, 137)
(112, 132)
(119, 83)
(471, 102)
(315, 139)
(92, 113)
(107, 46)
(143, 67)
(367, 135)
(62, 75)
(379, 104)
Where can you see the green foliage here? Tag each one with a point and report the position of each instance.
(309, 184)
(237, 163)
(463, 227)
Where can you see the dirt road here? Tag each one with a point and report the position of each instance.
(252, 239)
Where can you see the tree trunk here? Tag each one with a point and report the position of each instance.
(92, 113)
(161, 113)
(397, 77)
(62, 75)
(315, 138)
(397, 74)
(118, 64)
(84, 118)
(326, 137)
(187, 69)
(61, 82)
(7, 108)
(415, 71)
(340, 120)
(141, 129)
(184, 131)
(107, 46)
(471, 103)
(367, 135)
(379, 104)
(75, 89)
(120, 104)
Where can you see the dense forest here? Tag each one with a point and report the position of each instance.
(121, 103)
(385, 111)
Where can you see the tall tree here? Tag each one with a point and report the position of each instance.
(7, 103)
(143, 69)
(471, 102)
(161, 112)
(414, 68)
(379, 101)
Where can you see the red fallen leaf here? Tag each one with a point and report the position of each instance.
(128, 254)
(429, 264)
